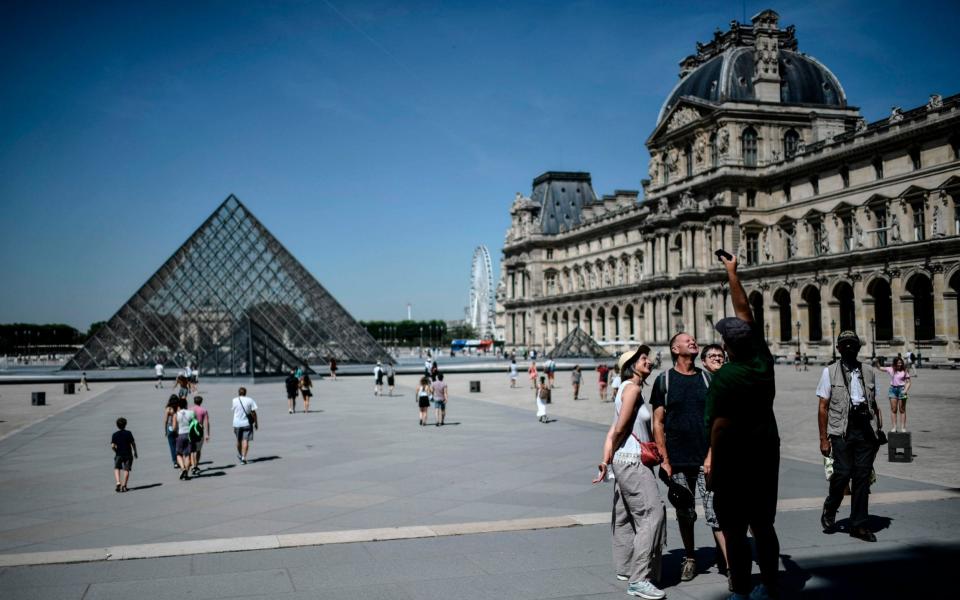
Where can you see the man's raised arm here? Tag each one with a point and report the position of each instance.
(738, 296)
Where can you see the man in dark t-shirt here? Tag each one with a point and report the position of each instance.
(678, 400)
(745, 445)
(124, 451)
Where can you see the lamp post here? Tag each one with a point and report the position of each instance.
(833, 334)
(766, 332)
(873, 339)
(798, 337)
(421, 339)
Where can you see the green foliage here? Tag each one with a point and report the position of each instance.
(22, 338)
(408, 333)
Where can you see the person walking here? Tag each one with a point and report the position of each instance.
(292, 385)
(391, 379)
(245, 421)
(170, 426)
(333, 368)
(602, 373)
(744, 461)
(124, 451)
(532, 374)
(849, 421)
(551, 369)
(306, 389)
(543, 398)
(513, 372)
(900, 383)
(203, 418)
(639, 519)
(83, 385)
(378, 379)
(181, 386)
(575, 378)
(423, 398)
(679, 400)
(158, 369)
(439, 391)
(183, 418)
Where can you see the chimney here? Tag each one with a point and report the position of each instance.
(766, 55)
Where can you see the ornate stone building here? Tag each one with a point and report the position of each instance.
(839, 224)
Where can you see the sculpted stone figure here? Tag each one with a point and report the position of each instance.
(654, 167)
(894, 227)
(896, 115)
(673, 160)
(935, 103)
(723, 142)
(938, 229)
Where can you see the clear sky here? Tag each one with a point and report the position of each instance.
(381, 142)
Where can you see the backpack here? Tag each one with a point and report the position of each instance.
(196, 430)
(663, 383)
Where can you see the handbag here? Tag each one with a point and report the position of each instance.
(649, 454)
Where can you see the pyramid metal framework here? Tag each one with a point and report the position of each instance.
(231, 301)
(578, 344)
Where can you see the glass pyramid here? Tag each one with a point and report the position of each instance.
(232, 301)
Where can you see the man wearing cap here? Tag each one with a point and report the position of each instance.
(744, 447)
(678, 400)
(849, 419)
(639, 515)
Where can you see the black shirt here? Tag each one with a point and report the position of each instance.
(293, 384)
(123, 440)
(687, 443)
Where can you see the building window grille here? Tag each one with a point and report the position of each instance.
(749, 141)
(791, 140)
(751, 198)
(848, 232)
(881, 219)
(919, 222)
(753, 248)
(549, 254)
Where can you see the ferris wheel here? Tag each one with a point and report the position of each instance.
(480, 311)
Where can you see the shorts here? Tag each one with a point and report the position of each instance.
(390, 381)
(193, 379)
(292, 395)
(441, 404)
(423, 401)
(685, 485)
(380, 380)
(124, 463)
(896, 391)
(603, 385)
(197, 446)
(307, 393)
(243, 433)
(183, 444)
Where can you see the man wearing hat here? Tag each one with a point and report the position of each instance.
(849, 419)
(744, 447)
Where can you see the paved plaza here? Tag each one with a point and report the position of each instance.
(354, 500)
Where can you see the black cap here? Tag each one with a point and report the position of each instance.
(848, 337)
(734, 330)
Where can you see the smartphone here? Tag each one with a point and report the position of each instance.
(721, 254)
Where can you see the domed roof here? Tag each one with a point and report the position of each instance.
(729, 76)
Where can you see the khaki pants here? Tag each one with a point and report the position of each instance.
(639, 523)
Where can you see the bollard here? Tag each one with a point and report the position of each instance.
(474, 387)
(69, 387)
(38, 398)
(900, 447)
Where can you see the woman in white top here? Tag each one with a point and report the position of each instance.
(639, 515)
(543, 396)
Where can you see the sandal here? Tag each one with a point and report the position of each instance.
(124, 489)
(118, 487)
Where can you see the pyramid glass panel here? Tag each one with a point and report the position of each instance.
(232, 301)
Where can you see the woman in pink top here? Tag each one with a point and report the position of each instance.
(899, 386)
(532, 372)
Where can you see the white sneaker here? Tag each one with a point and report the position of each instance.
(645, 589)
(623, 577)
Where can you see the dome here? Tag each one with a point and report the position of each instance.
(729, 76)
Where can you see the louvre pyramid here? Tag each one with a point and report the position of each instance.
(578, 344)
(233, 301)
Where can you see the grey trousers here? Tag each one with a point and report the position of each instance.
(639, 523)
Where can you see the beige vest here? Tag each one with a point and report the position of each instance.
(839, 408)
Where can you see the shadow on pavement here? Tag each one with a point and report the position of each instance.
(263, 459)
(220, 468)
(205, 474)
(906, 572)
(145, 486)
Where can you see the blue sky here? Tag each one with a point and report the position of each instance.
(379, 141)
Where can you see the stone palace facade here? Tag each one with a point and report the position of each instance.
(838, 223)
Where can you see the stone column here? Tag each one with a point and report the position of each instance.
(859, 293)
(902, 323)
(940, 330)
(868, 312)
(700, 308)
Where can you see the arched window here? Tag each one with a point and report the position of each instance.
(628, 315)
(602, 318)
(589, 318)
(782, 298)
(811, 295)
(688, 159)
(955, 286)
(791, 140)
(921, 289)
(879, 290)
(678, 324)
(678, 247)
(843, 293)
(615, 319)
(749, 144)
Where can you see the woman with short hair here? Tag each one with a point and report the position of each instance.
(423, 398)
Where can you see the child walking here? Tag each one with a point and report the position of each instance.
(124, 451)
